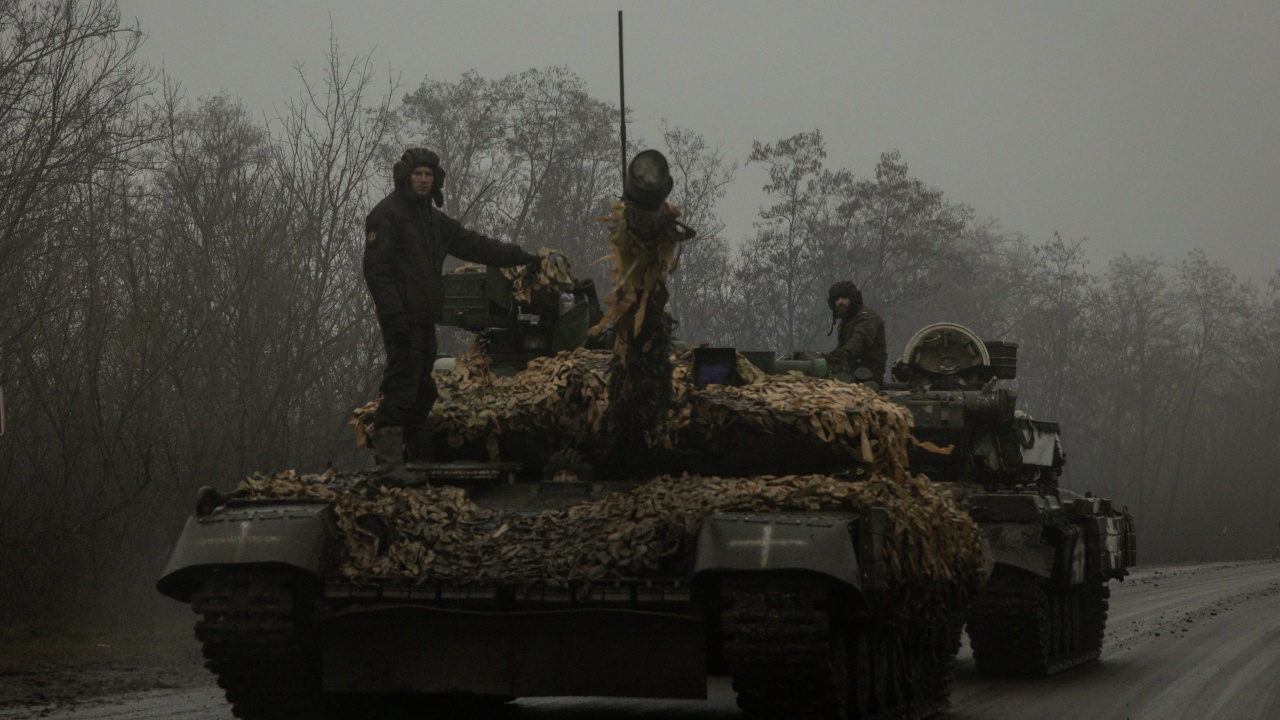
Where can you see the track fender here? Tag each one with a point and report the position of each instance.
(1020, 532)
(298, 535)
(1019, 545)
(1046, 551)
(1111, 545)
(827, 544)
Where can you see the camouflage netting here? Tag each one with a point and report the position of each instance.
(439, 534)
(553, 275)
(644, 250)
(625, 403)
(564, 398)
(642, 257)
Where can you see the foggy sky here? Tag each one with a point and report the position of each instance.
(1148, 127)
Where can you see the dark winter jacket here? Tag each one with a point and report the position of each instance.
(406, 241)
(861, 341)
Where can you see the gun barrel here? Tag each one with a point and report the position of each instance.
(816, 367)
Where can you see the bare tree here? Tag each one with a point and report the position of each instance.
(530, 157)
(700, 286)
(975, 289)
(1134, 342)
(466, 123)
(1217, 312)
(326, 147)
(183, 317)
(1256, 398)
(779, 270)
(72, 125)
(1055, 302)
(898, 238)
(70, 93)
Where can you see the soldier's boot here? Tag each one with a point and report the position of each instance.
(388, 452)
(417, 446)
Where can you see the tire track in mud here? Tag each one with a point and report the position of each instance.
(1169, 601)
(1187, 643)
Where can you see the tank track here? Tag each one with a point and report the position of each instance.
(1021, 626)
(256, 641)
(799, 649)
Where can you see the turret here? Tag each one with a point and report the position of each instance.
(967, 428)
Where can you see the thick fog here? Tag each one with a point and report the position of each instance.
(1147, 127)
(182, 205)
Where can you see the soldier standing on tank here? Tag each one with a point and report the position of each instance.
(406, 241)
(860, 342)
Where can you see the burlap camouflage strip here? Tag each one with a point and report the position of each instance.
(553, 275)
(438, 533)
(564, 397)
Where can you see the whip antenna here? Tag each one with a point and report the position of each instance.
(622, 100)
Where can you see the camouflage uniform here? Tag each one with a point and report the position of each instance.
(861, 339)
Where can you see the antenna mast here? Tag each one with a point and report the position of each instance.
(622, 100)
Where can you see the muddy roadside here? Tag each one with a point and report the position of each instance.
(59, 667)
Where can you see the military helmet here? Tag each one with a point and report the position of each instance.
(567, 459)
(418, 157)
(844, 288)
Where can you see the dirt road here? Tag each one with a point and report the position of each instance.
(1198, 642)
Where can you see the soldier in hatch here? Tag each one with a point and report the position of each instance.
(860, 341)
(567, 465)
(406, 241)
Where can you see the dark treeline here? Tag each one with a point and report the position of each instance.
(181, 302)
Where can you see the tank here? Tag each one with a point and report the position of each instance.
(607, 517)
(1053, 551)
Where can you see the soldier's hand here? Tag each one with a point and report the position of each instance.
(531, 269)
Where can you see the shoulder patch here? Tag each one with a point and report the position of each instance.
(371, 237)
